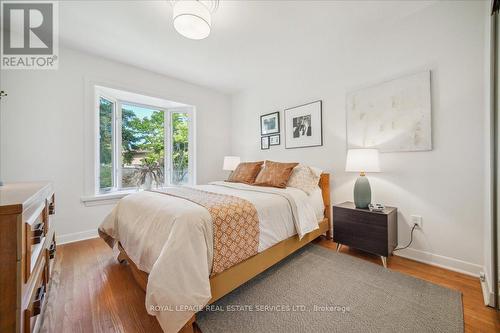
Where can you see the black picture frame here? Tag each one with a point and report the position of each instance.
(321, 124)
(277, 130)
(262, 140)
(274, 136)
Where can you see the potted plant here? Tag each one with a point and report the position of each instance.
(149, 171)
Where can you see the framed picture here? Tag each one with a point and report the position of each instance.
(274, 140)
(270, 123)
(304, 126)
(264, 142)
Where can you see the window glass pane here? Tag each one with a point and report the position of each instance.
(180, 149)
(106, 108)
(143, 153)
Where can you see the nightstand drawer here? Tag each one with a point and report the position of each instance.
(359, 216)
(368, 238)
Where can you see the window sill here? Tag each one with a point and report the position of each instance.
(105, 198)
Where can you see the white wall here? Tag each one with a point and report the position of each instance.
(43, 131)
(446, 185)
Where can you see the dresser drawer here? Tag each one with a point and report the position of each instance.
(50, 252)
(35, 229)
(35, 299)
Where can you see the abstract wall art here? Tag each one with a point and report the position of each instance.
(392, 116)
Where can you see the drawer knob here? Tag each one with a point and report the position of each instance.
(37, 233)
(38, 301)
(52, 208)
(38, 230)
(52, 250)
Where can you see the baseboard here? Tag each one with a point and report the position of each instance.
(452, 264)
(417, 255)
(487, 291)
(76, 236)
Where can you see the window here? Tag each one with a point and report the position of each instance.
(106, 121)
(180, 148)
(135, 136)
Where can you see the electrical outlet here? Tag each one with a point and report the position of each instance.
(416, 219)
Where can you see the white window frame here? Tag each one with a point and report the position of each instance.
(97, 182)
(116, 143)
(191, 142)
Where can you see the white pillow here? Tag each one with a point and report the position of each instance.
(305, 178)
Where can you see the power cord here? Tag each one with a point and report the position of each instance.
(411, 239)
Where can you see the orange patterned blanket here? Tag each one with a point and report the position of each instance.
(235, 225)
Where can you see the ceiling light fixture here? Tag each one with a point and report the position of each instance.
(192, 18)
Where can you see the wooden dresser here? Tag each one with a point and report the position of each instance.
(27, 252)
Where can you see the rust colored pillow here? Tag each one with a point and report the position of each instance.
(246, 172)
(275, 174)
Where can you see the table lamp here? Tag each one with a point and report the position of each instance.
(230, 163)
(362, 160)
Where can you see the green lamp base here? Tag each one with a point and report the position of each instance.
(362, 192)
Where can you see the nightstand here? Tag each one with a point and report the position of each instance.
(373, 232)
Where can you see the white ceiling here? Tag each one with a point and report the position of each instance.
(250, 40)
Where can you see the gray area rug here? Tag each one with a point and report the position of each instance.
(319, 290)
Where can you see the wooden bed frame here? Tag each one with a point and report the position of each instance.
(230, 279)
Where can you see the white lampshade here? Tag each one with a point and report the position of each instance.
(230, 163)
(192, 19)
(362, 160)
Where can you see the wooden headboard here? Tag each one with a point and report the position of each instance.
(324, 184)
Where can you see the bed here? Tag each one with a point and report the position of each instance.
(176, 274)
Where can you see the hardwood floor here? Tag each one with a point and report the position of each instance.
(87, 293)
(91, 292)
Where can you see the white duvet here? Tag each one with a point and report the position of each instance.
(171, 239)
